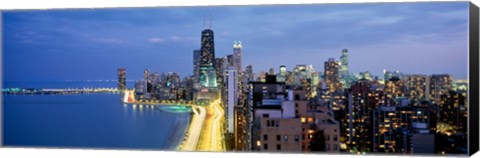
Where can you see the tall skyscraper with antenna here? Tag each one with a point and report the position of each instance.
(207, 74)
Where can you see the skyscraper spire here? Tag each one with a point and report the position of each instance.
(210, 21)
(204, 23)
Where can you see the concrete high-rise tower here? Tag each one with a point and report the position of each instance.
(237, 55)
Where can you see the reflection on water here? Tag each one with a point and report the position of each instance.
(97, 120)
(164, 108)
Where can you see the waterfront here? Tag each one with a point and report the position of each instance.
(91, 121)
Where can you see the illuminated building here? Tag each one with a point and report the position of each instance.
(122, 78)
(416, 87)
(314, 117)
(344, 77)
(362, 98)
(395, 88)
(365, 76)
(196, 65)
(282, 74)
(453, 110)
(188, 83)
(148, 81)
(439, 85)
(207, 74)
(261, 76)
(332, 77)
(387, 75)
(299, 73)
(315, 82)
(249, 72)
(140, 89)
(237, 56)
(219, 70)
(382, 134)
(264, 97)
(283, 70)
(241, 129)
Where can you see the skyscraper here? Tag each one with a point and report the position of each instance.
(207, 74)
(282, 74)
(416, 87)
(237, 55)
(344, 63)
(249, 72)
(332, 77)
(122, 78)
(207, 48)
(232, 90)
(196, 65)
(344, 68)
(440, 84)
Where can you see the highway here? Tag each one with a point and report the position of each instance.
(193, 133)
(212, 137)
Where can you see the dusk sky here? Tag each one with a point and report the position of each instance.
(82, 44)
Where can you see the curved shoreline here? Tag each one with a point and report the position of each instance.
(193, 130)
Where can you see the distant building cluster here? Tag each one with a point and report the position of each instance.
(163, 86)
(306, 110)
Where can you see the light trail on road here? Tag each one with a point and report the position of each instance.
(194, 130)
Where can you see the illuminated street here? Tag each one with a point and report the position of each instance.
(211, 138)
(193, 133)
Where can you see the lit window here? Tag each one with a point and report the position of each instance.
(310, 120)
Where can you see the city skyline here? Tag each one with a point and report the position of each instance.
(139, 38)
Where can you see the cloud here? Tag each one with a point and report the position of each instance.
(180, 38)
(108, 40)
(384, 20)
(156, 40)
(173, 38)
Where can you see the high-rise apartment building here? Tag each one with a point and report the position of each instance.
(439, 84)
(332, 76)
(416, 87)
(122, 79)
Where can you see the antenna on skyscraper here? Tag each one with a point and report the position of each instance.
(204, 23)
(210, 21)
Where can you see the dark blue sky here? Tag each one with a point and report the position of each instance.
(426, 38)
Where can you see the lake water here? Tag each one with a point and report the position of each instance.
(64, 84)
(90, 121)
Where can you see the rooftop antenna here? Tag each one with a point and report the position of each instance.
(204, 23)
(210, 21)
